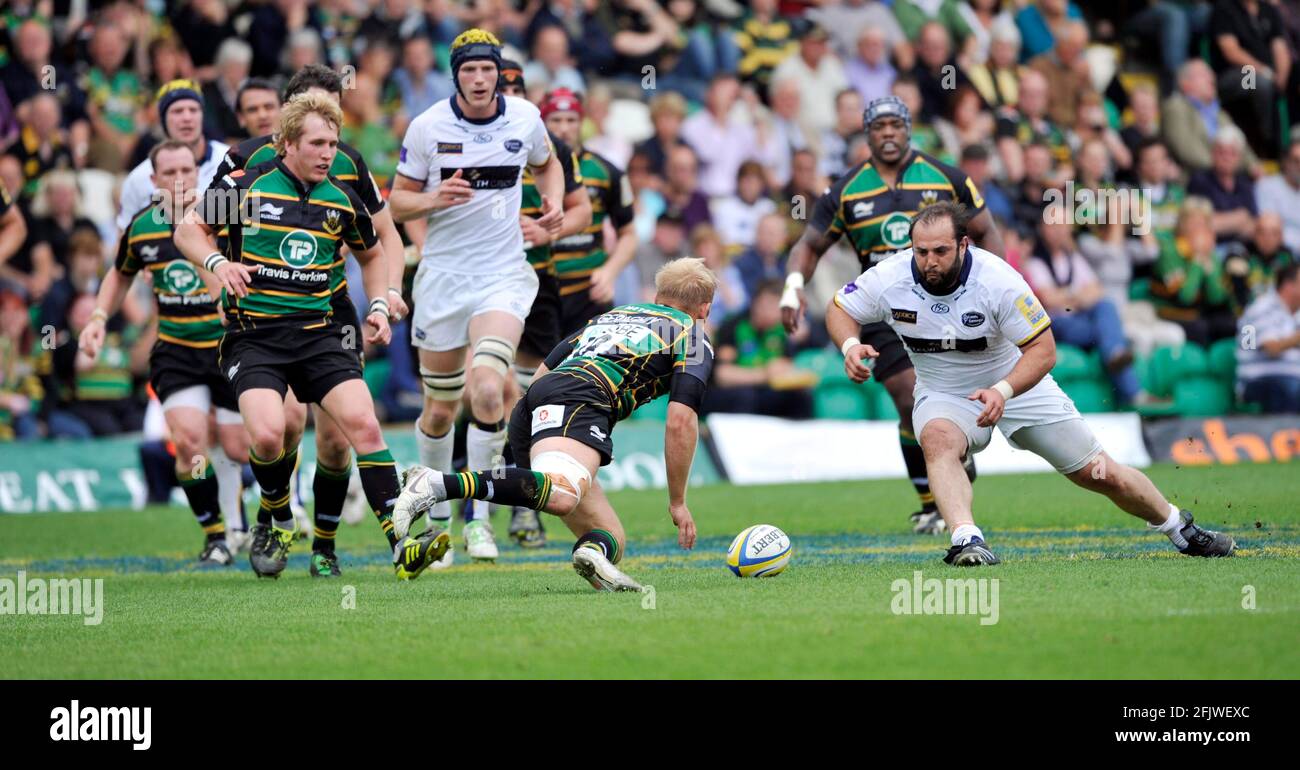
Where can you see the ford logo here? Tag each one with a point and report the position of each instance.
(938, 307)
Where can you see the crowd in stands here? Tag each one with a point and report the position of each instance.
(1166, 127)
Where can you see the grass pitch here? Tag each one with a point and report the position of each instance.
(1084, 592)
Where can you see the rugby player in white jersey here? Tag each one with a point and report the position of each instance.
(459, 170)
(983, 349)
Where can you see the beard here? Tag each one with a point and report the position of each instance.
(945, 283)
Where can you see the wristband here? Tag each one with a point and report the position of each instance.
(1003, 387)
(98, 315)
(850, 342)
(396, 291)
(213, 261)
(378, 305)
(790, 295)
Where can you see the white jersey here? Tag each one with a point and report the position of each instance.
(958, 343)
(138, 189)
(481, 236)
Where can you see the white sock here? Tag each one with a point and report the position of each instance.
(435, 453)
(1172, 528)
(965, 533)
(229, 488)
(482, 453)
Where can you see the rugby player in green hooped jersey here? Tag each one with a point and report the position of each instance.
(333, 454)
(183, 368)
(281, 330)
(561, 431)
(872, 206)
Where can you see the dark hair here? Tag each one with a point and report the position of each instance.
(769, 286)
(1287, 273)
(974, 152)
(955, 213)
(166, 145)
(314, 76)
(254, 84)
(1146, 144)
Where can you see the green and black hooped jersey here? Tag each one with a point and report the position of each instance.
(294, 242)
(348, 167)
(187, 314)
(635, 354)
(540, 256)
(578, 256)
(876, 218)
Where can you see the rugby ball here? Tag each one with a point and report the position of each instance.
(760, 551)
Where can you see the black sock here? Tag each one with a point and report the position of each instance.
(330, 489)
(273, 477)
(204, 501)
(914, 459)
(599, 538)
(379, 480)
(508, 486)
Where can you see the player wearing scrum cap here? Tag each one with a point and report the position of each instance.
(991, 367)
(561, 431)
(460, 169)
(871, 205)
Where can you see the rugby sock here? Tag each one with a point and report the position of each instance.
(435, 452)
(202, 496)
(1173, 528)
(914, 459)
(602, 541)
(508, 486)
(524, 376)
(229, 488)
(330, 488)
(966, 533)
(273, 477)
(379, 480)
(484, 443)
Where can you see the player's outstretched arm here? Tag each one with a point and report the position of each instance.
(111, 293)
(395, 256)
(681, 433)
(197, 241)
(843, 329)
(1037, 359)
(804, 256)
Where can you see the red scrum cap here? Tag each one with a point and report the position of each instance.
(561, 100)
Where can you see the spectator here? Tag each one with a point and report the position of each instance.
(1172, 24)
(1038, 177)
(113, 98)
(168, 61)
(847, 21)
(405, 19)
(967, 124)
(699, 53)
(1158, 178)
(800, 194)
(765, 260)
(914, 15)
(985, 18)
(623, 37)
(1231, 192)
(668, 243)
(936, 72)
(552, 66)
(1038, 21)
(977, 165)
(730, 298)
(820, 76)
(27, 74)
(869, 71)
(56, 217)
(736, 217)
(1192, 117)
(302, 49)
(681, 189)
(1251, 272)
(1065, 68)
(996, 77)
(1029, 124)
(1145, 106)
(419, 84)
(221, 94)
(20, 386)
(1189, 285)
(925, 137)
(1280, 193)
(202, 26)
(720, 137)
(1082, 315)
(1248, 41)
(42, 144)
(1268, 371)
(667, 111)
(764, 40)
(366, 131)
(787, 134)
(269, 30)
(99, 394)
(848, 126)
(753, 373)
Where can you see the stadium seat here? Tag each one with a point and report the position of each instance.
(1073, 364)
(885, 409)
(840, 402)
(826, 364)
(1170, 365)
(1223, 360)
(1090, 395)
(1202, 397)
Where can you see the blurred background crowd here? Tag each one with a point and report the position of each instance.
(729, 119)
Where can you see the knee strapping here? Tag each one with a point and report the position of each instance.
(567, 468)
(443, 386)
(496, 353)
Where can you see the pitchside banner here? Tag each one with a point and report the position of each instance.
(767, 450)
(105, 473)
(1225, 440)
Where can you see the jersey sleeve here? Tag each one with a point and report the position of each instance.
(863, 298)
(562, 351)
(219, 206)
(692, 370)
(826, 218)
(540, 144)
(964, 188)
(413, 161)
(1020, 316)
(568, 162)
(360, 234)
(365, 186)
(127, 261)
(619, 199)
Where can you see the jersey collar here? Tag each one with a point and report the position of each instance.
(298, 185)
(455, 109)
(961, 277)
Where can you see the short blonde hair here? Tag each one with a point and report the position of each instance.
(294, 116)
(687, 281)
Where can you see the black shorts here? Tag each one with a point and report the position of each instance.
(174, 368)
(542, 327)
(311, 361)
(559, 405)
(577, 309)
(345, 316)
(893, 356)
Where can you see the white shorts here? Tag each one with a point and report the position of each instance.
(1069, 445)
(200, 398)
(445, 301)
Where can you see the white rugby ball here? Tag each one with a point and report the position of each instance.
(759, 551)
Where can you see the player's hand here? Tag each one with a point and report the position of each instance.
(792, 312)
(602, 286)
(452, 191)
(994, 403)
(534, 234)
(853, 366)
(92, 339)
(378, 331)
(681, 516)
(397, 307)
(552, 218)
(235, 277)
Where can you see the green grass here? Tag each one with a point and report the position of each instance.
(1084, 592)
